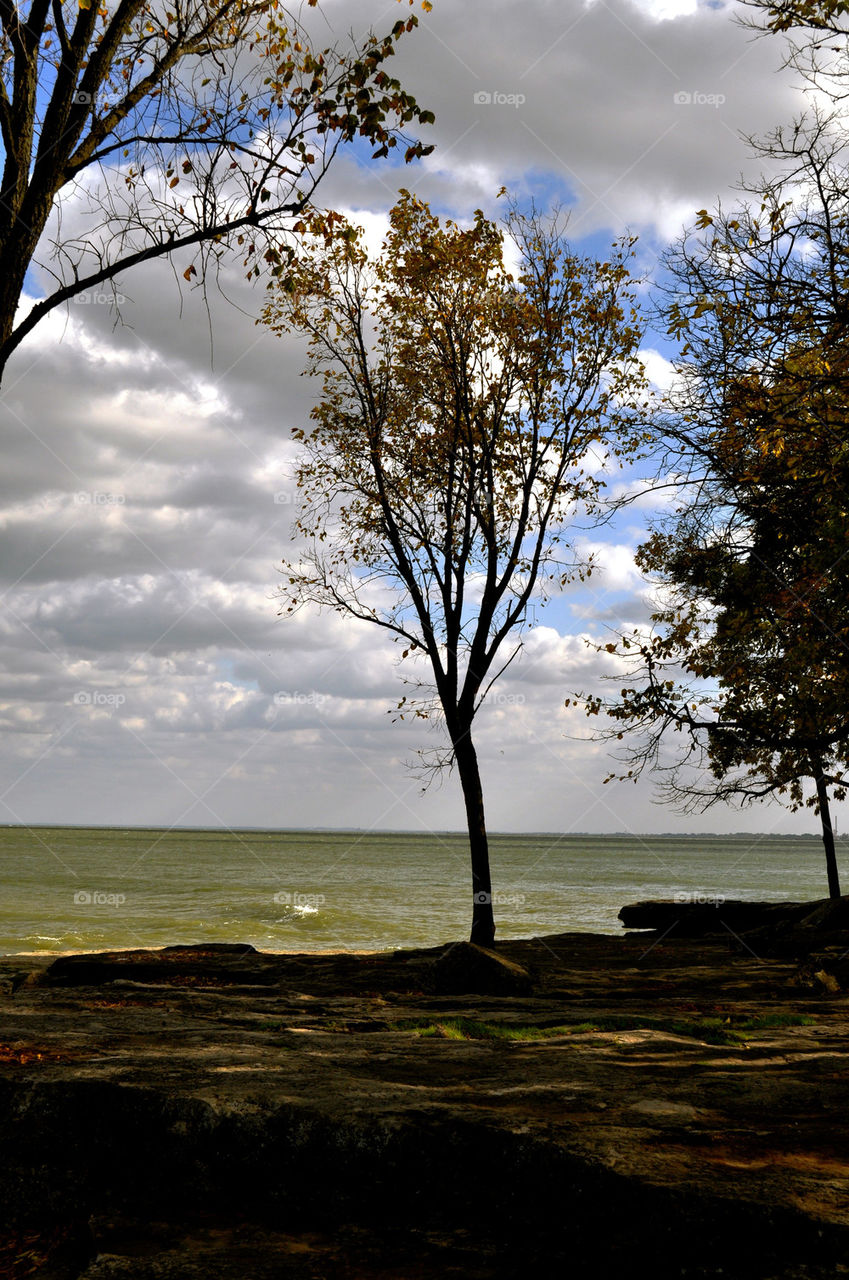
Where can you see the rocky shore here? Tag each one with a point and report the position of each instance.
(570, 1105)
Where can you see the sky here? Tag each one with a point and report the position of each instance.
(147, 495)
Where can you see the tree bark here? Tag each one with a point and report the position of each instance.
(483, 920)
(827, 831)
(17, 248)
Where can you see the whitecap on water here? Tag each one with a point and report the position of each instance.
(296, 913)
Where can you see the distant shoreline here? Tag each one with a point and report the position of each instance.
(379, 832)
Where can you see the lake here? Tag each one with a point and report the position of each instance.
(75, 888)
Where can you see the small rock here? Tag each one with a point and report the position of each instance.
(826, 973)
(664, 1108)
(12, 982)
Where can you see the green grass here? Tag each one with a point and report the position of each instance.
(721, 1029)
(470, 1029)
(717, 1028)
(777, 1020)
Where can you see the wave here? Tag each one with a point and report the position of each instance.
(296, 913)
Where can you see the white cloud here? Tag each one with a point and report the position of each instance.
(666, 10)
(659, 371)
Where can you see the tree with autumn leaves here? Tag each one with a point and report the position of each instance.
(132, 130)
(452, 446)
(748, 658)
(816, 37)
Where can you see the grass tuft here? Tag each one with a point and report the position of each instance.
(715, 1029)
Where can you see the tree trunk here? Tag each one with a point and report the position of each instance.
(483, 920)
(16, 252)
(827, 831)
(11, 287)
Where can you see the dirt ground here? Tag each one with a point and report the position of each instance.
(222, 1113)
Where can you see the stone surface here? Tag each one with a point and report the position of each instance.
(170, 1114)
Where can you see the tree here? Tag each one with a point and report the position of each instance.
(748, 659)
(810, 15)
(817, 32)
(450, 447)
(198, 125)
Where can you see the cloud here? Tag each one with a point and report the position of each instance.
(584, 96)
(659, 371)
(146, 500)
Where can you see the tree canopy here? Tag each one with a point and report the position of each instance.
(132, 129)
(748, 658)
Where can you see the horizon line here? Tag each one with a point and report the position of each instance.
(405, 831)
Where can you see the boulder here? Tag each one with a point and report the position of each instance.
(828, 916)
(464, 967)
(211, 963)
(715, 915)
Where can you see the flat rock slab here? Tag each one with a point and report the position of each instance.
(343, 1117)
(726, 916)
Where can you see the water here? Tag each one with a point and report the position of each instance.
(72, 888)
